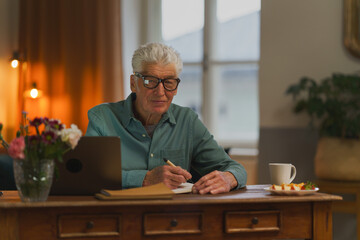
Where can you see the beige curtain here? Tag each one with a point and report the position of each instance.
(73, 54)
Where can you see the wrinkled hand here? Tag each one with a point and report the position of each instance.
(172, 177)
(215, 182)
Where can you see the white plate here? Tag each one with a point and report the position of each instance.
(291, 192)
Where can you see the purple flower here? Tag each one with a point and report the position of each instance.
(46, 120)
(55, 124)
(48, 137)
(36, 122)
(33, 140)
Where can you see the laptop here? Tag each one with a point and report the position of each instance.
(95, 163)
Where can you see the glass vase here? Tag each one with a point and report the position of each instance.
(33, 178)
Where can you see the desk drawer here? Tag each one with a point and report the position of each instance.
(172, 223)
(98, 225)
(253, 221)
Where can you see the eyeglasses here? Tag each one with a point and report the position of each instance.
(152, 82)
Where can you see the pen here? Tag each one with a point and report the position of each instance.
(168, 162)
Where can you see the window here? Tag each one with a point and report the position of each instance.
(219, 44)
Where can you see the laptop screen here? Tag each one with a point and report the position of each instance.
(94, 164)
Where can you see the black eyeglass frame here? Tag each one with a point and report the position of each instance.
(137, 74)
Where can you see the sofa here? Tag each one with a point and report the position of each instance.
(7, 181)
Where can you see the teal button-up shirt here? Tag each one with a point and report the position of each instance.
(180, 136)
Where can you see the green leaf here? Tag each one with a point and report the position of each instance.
(310, 186)
(300, 106)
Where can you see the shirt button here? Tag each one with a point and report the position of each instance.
(144, 135)
(152, 155)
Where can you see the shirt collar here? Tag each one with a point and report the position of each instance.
(129, 114)
(169, 115)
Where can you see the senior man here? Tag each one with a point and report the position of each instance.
(152, 128)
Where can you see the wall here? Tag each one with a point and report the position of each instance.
(298, 38)
(9, 13)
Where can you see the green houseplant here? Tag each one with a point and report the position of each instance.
(333, 105)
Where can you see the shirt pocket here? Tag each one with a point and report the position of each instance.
(176, 156)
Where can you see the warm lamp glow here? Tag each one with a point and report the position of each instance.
(14, 63)
(34, 93)
(15, 59)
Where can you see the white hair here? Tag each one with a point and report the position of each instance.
(157, 53)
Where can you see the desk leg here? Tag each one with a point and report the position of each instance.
(358, 214)
(9, 224)
(322, 221)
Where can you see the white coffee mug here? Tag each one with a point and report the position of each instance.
(281, 173)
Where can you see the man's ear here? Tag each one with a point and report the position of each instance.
(132, 83)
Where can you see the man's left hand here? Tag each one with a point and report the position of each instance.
(215, 182)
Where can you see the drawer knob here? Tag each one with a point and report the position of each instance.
(255, 220)
(173, 222)
(90, 225)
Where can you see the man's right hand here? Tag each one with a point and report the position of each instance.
(172, 177)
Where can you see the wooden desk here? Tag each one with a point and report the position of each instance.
(251, 213)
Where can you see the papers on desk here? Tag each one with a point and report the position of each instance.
(156, 191)
(183, 188)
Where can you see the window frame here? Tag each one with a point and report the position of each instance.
(209, 63)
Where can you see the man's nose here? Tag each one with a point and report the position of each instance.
(160, 90)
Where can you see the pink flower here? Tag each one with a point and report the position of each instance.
(17, 147)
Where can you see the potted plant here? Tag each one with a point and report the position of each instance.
(333, 105)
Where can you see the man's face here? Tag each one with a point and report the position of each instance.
(153, 101)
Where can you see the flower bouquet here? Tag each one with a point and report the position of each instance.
(35, 152)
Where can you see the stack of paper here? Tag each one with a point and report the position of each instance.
(183, 188)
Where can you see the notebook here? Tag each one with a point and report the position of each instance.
(156, 191)
(93, 165)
